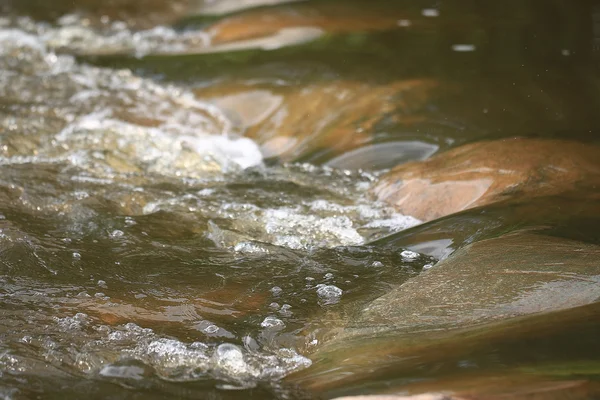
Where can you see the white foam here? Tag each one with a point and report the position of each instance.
(110, 122)
(272, 323)
(124, 352)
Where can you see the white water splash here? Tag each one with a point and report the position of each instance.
(108, 122)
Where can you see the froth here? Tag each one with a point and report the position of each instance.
(108, 122)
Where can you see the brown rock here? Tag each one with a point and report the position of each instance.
(486, 172)
(491, 294)
(337, 116)
(424, 396)
(222, 7)
(331, 17)
(513, 275)
(512, 387)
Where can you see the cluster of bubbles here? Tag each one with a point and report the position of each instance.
(107, 122)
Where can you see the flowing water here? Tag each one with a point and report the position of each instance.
(161, 237)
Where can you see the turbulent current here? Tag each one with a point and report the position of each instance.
(143, 241)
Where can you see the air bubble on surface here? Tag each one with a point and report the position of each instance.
(276, 290)
(328, 294)
(230, 359)
(285, 310)
(272, 323)
(408, 255)
(77, 322)
(123, 372)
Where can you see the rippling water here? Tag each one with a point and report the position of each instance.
(155, 243)
(141, 238)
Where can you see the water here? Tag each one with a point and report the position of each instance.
(186, 215)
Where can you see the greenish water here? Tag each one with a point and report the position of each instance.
(147, 251)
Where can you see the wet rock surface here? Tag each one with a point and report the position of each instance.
(500, 388)
(486, 172)
(392, 360)
(333, 116)
(330, 17)
(505, 277)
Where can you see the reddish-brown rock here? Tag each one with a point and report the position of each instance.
(486, 172)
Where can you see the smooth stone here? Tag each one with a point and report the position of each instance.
(514, 387)
(572, 215)
(424, 396)
(284, 37)
(222, 7)
(486, 172)
(523, 287)
(383, 155)
(331, 17)
(335, 116)
(495, 279)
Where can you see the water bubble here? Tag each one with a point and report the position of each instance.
(26, 339)
(408, 255)
(272, 323)
(249, 247)
(123, 371)
(230, 359)
(276, 290)
(76, 256)
(116, 234)
(377, 264)
(130, 221)
(76, 322)
(285, 310)
(328, 276)
(329, 294)
(427, 266)
(211, 329)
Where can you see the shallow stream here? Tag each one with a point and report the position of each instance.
(185, 214)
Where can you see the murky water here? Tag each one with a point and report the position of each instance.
(185, 209)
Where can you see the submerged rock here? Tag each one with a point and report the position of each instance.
(331, 17)
(494, 279)
(221, 7)
(335, 116)
(424, 396)
(486, 172)
(512, 386)
(500, 293)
